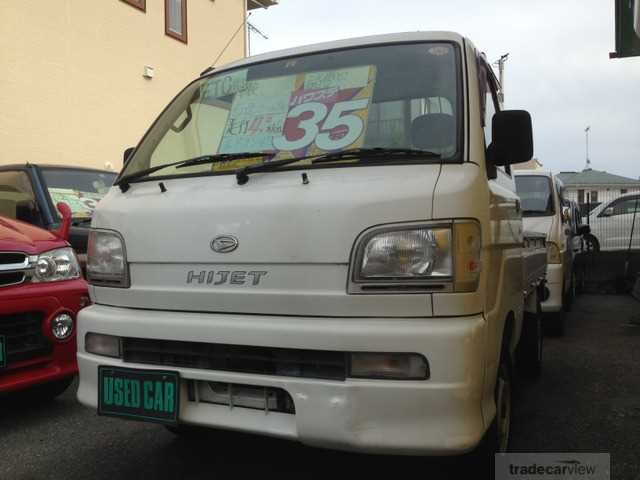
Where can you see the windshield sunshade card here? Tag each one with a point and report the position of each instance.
(299, 115)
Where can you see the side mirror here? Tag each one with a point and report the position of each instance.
(566, 214)
(583, 229)
(512, 140)
(63, 230)
(127, 155)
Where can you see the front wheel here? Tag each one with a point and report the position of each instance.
(570, 295)
(496, 439)
(554, 324)
(529, 353)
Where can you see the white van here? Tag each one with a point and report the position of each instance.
(317, 244)
(544, 211)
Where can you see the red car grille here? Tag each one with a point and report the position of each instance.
(13, 266)
(24, 337)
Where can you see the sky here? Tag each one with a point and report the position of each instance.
(558, 67)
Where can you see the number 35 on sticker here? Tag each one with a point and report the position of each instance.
(332, 129)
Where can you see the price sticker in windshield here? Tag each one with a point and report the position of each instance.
(297, 115)
(331, 127)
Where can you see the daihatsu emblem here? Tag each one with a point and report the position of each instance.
(224, 244)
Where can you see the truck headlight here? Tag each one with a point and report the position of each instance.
(416, 257)
(107, 259)
(415, 253)
(56, 265)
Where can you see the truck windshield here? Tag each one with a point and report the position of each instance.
(535, 195)
(393, 96)
(79, 188)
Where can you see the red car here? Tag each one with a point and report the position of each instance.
(41, 292)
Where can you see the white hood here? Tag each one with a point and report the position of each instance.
(302, 235)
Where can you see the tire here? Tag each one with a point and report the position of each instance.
(580, 281)
(554, 324)
(592, 243)
(529, 353)
(570, 296)
(496, 439)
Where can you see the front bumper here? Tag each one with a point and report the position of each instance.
(49, 299)
(555, 285)
(442, 415)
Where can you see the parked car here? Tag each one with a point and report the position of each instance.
(545, 211)
(30, 192)
(41, 292)
(613, 222)
(341, 262)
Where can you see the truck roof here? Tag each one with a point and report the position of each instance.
(442, 36)
(539, 173)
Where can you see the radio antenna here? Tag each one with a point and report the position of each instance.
(244, 22)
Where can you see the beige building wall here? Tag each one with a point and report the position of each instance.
(72, 89)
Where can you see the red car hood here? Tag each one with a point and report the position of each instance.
(19, 236)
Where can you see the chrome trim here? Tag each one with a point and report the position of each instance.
(27, 268)
(14, 267)
(224, 244)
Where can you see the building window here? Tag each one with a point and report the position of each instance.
(175, 19)
(139, 4)
(594, 196)
(623, 191)
(580, 196)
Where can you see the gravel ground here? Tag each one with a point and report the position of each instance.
(586, 401)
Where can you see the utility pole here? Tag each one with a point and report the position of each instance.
(586, 134)
(500, 63)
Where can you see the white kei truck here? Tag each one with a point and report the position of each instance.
(544, 212)
(321, 244)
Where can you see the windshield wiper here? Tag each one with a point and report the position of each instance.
(375, 153)
(124, 182)
(362, 154)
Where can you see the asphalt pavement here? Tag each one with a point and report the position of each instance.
(587, 400)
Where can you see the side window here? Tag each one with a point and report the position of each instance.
(489, 102)
(17, 200)
(490, 111)
(627, 206)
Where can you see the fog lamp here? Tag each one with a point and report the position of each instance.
(62, 326)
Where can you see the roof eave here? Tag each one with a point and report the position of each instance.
(253, 4)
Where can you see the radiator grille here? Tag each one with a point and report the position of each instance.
(13, 266)
(23, 336)
(236, 358)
